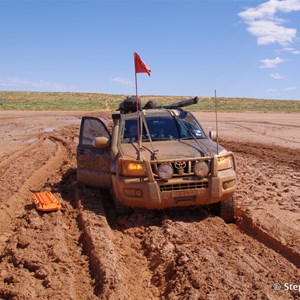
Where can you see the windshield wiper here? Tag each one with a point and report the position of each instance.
(189, 131)
(143, 119)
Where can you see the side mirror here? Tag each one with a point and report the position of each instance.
(101, 142)
(213, 136)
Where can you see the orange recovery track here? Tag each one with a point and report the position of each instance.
(45, 201)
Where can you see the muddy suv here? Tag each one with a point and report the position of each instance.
(171, 163)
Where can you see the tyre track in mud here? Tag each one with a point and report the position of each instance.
(24, 171)
(160, 255)
(267, 123)
(268, 239)
(97, 243)
(178, 254)
(272, 154)
(280, 187)
(86, 252)
(41, 254)
(117, 261)
(256, 131)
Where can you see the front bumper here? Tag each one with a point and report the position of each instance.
(185, 191)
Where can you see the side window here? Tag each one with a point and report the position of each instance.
(130, 131)
(91, 128)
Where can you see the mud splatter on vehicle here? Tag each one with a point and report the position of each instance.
(155, 158)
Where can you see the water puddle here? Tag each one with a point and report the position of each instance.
(31, 141)
(73, 121)
(49, 129)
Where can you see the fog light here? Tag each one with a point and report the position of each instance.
(165, 172)
(138, 193)
(133, 193)
(201, 169)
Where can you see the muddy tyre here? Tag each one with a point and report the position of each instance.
(121, 209)
(228, 210)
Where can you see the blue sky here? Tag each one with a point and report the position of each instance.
(240, 48)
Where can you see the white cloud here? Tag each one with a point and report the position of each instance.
(291, 50)
(122, 81)
(263, 23)
(272, 63)
(268, 32)
(287, 50)
(271, 90)
(291, 88)
(276, 76)
(10, 82)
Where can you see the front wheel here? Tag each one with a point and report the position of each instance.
(121, 209)
(228, 210)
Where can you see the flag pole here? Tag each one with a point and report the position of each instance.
(137, 116)
(139, 67)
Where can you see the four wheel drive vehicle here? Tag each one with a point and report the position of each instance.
(171, 163)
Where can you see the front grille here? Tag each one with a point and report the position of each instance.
(183, 186)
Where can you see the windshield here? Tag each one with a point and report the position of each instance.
(163, 128)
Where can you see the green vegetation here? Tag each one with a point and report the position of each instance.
(93, 101)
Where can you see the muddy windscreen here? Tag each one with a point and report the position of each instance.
(163, 129)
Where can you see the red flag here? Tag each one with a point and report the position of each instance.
(140, 66)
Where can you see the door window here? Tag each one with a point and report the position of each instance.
(91, 128)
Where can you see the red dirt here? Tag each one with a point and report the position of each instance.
(84, 251)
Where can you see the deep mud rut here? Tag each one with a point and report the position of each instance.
(85, 252)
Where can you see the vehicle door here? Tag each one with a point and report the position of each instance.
(93, 164)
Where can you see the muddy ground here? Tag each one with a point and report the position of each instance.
(85, 252)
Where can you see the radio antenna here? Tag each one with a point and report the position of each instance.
(217, 131)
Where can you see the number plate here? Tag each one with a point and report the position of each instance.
(185, 193)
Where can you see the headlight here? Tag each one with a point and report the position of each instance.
(133, 169)
(165, 172)
(224, 163)
(201, 169)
